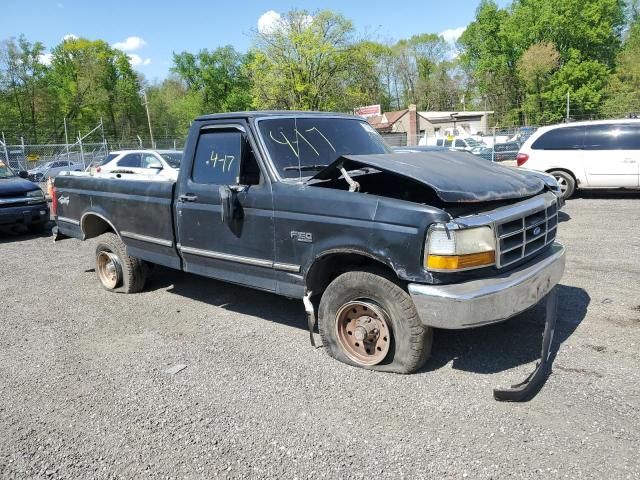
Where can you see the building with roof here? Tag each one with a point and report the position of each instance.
(405, 127)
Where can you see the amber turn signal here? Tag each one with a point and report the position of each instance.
(460, 262)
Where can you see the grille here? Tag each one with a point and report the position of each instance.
(525, 236)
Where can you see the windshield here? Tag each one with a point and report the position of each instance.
(173, 159)
(5, 171)
(473, 143)
(301, 147)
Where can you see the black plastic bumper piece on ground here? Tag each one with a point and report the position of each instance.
(527, 389)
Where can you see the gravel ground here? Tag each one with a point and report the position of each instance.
(85, 393)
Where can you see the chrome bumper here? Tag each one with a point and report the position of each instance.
(489, 300)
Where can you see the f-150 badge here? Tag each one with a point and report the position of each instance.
(63, 200)
(305, 237)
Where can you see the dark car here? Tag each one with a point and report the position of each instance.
(21, 201)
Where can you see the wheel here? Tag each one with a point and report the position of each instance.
(566, 182)
(117, 271)
(37, 228)
(370, 322)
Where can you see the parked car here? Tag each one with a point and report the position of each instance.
(53, 169)
(500, 152)
(21, 201)
(469, 144)
(164, 163)
(582, 155)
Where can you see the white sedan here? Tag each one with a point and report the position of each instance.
(163, 163)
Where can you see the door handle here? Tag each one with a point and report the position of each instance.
(188, 197)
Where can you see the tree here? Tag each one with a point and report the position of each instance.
(535, 67)
(303, 62)
(220, 76)
(623, 90)
(22, 74)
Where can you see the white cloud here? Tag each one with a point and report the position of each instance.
(130, 44)
(269, 22)
(137, 61)
(70, 36)
(451, 35)
(45, 58)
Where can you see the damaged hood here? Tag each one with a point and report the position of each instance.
(453, 176)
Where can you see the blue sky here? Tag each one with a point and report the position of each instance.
(155, 29)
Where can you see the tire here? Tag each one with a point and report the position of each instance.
(409, 341)
(129, 273)
(566, 181)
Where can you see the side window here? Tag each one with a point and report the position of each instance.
(460, 143)
(447, 142)
(217, 159)
(149, 160)
(563, 138)
(131, 160)
(439, 142)
(612, 137)
(630, 138)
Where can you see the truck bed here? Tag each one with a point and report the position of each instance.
(139, 209)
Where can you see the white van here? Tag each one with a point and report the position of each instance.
(597, 154)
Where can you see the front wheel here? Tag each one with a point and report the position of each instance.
(370, 322)
(566, 182)
(117, 271)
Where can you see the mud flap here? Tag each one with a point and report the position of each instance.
(527, 389)
(57, 235)
(311, 316)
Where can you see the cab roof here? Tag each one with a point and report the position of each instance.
(272, 113)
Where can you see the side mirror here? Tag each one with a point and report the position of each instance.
(231, 212)
(23, 174)
(156, 166)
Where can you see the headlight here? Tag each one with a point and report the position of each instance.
(450, 249)
(35, 196)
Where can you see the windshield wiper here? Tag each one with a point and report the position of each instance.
(302, 168)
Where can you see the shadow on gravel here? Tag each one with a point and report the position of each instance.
(20, 233)
(505, 345)
(563, 217)
(613, 194)
(234, 298)
(489, 349)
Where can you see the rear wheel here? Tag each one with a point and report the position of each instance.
(117, 271)
(368, 321)
(566, 182)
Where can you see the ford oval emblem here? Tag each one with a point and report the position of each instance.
(537, 230)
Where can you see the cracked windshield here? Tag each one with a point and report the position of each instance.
(301, 147)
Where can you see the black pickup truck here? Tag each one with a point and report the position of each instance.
(383, 246)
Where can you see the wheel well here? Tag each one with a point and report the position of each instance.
(328, 267)
(565, 171)
(94, 225)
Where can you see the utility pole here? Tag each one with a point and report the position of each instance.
(146, 105)
(567, 119)
(66, 137)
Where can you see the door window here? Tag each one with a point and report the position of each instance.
(460, 144)
(217, 159)
(612, 137)
(149, 161)
(131, 160)
(563, 138)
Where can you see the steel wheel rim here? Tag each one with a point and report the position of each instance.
(109, 269)
(363, 332)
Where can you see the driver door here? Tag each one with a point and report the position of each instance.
(225, 172)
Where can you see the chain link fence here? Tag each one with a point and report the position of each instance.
(45, 161)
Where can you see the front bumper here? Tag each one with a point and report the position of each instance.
(25, 214)
(489, 300)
